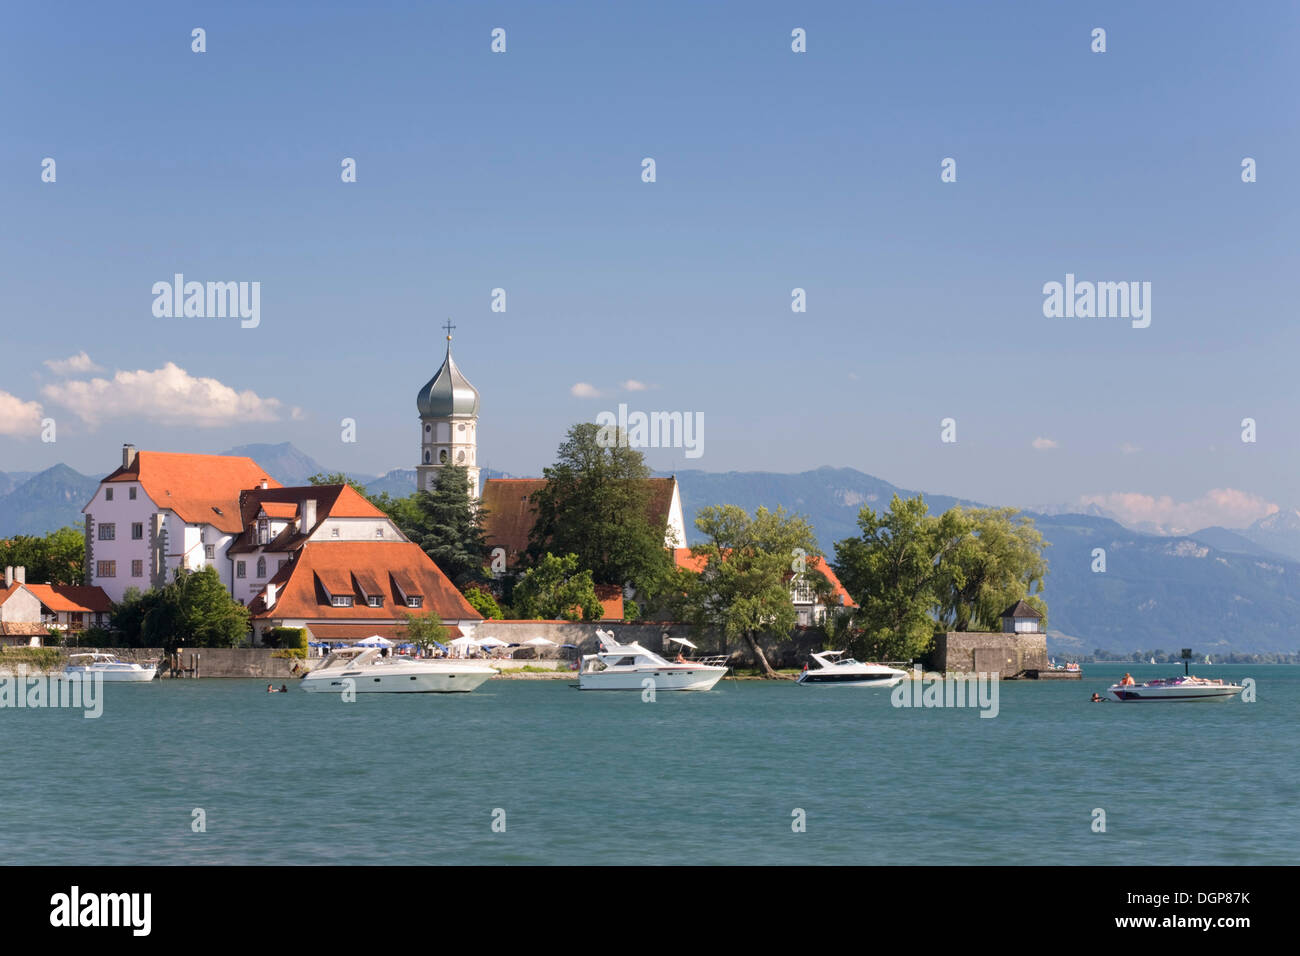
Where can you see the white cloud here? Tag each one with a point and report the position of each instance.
(1042, 443)
(632, 385)
(167, 396)
(583, 390)
(18, 418)
(1226, 507)
(73, 365)
(1129, 448)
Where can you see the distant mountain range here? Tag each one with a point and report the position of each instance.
(1218, 590)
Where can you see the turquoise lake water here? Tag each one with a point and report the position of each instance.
(690, 778)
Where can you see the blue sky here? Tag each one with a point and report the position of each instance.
(775, 170)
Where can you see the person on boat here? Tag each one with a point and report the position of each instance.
(1128, 681)
(680, 659)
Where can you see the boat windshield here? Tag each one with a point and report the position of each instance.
(847, 661)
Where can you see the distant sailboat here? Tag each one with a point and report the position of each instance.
(1153, 660)
(1207, 659)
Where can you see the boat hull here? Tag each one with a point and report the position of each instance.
(427, 682)
(1172, 694)
(141, 676)
(697, 679)
(811, 678)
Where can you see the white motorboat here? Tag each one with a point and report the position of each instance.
(628, 666)
(1188, 688)
(838, 671)
(367, 670)
(109, 667)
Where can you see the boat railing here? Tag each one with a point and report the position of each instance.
(713, 660)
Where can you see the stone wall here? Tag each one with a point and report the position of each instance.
(988, 652)
(213, 661)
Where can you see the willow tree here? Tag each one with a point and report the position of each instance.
(997, 561)
(743, 590)
(890, 570)
(913, 573)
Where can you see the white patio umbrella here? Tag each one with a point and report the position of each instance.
(464, 642)
(540, 642)
(375, 640)
(492, 642)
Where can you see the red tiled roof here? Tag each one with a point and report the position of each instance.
(510, 514)
(332, 501)
(72, 597)
(201, 489)
(299, 597)
(684, 558)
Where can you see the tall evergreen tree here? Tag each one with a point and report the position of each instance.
(447, 523)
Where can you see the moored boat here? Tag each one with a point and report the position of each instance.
(109, 667)
(847, 672)
(628, 666)
(367, 670)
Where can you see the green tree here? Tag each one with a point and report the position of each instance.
(57, 558)
(424, 629)
(554, 588)
(194, 609)
(483, 602)
(997, 562)
(890, 571)
(912, 573)
(743, 590)
(595, 505)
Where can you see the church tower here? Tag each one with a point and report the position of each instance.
(448, 407)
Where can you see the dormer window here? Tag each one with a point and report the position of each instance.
(341, 600)
(415, 600)
(374, 601)
(263, 531)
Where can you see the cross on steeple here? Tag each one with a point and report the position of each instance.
(449, 327)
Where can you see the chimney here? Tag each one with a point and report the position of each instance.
(9, 576)
(270, 596)
(128, 456)
(265, 484)
(308, 516)
(20, 574)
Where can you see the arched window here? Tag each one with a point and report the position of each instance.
(261, 567)
(460, 457)
(426, 456)
(442, 457)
